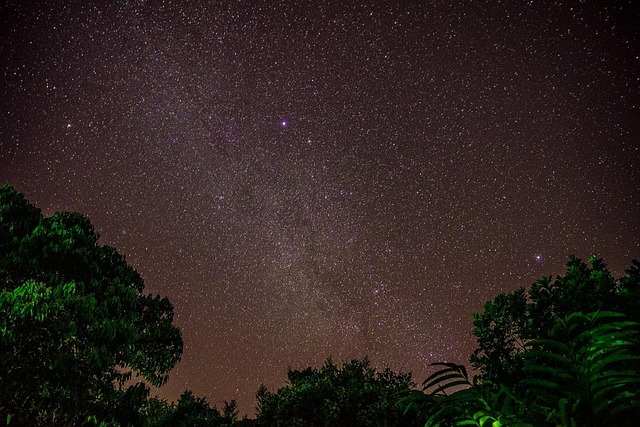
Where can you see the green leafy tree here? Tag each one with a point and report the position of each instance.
(354, 394)
(266, 406)
(75, 325)
(230, 412)
(511, 320)
(543, 361)
(157, 412)
(192, 411)
(501, 331)
(586, 376)
(629, 293)
(451, 399)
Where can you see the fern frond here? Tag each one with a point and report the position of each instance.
(559, 347)
(589, 370)
(452, 375)
(558, 358)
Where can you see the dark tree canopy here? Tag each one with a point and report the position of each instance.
(511, 320)
(354, 394)
(191, 411)
(76, 327)
(75, 324)
(561, 353)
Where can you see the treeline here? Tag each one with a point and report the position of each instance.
(76, 326)
(354, 394)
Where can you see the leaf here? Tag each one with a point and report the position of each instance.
(450, 371)
(467, 422)
(550, 344)
(619, 358)
(548, 356)
(548, 389)
(589, 380)
(441, 386)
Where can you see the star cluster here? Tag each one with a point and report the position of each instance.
(305, 179)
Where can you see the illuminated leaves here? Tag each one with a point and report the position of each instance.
(454, 401)
(591, 368)
(74, 322)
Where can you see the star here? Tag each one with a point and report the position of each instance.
(404, 164)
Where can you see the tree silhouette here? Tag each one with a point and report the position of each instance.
(74, 322)
(563, 353)
(354, 394)
(511, 320)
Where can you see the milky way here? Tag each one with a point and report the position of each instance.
(305, 179)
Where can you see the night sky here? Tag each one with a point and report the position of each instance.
(305, 179)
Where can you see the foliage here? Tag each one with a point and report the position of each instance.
(511, 320)
(75, 327)
(74, 323)
(543, 361)
(454, 401)
(585, 377)
(354, 394)
(157, 412)
(190, 411)
(417, 405)
(629, 292)
(501, 331)
(230, 412)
